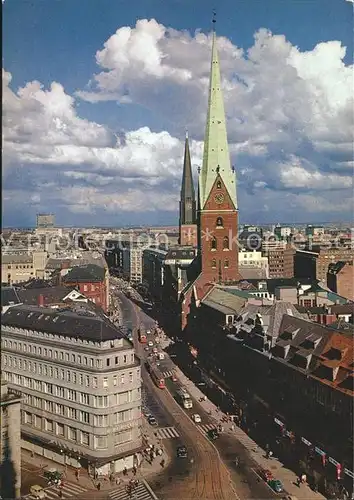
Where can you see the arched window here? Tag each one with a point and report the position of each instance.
(214, 243)
(219, 222)
(226, 263)
(226, 243)
(218, 185)
(213, 263)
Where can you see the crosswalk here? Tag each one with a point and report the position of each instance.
(171, 432)
(68, 490)
(140, 493)
(167, 374)
(166, 433)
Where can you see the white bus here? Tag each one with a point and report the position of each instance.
(184, 399)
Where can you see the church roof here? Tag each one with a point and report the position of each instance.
(216, 157)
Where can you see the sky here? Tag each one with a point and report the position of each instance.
(98, 95)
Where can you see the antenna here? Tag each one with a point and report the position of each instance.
(214, 19)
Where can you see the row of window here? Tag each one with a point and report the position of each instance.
(68, 375)
(71, 395)
(92, 288)
(226, 263)
(79, 415)
(225, 243)
(23, 266)
(66, 356)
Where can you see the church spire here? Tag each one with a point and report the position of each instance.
(187, 203)
(216, 158)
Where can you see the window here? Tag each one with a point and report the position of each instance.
(307, 303)
(72, 434)
(85, 399)
(85, 438)
(61, 375)
(87, 380)
(61, 355)
(49, 425)
(115, 380)
(226, 243)
(85, 288)
(213, 263)
(59, 409)
(100, 420)
(84, 417)
(60, 429)
(117, 360)
(66, 356)
(100, 442)
(218, 185)
(130, 377)
(72, 413)
(122, 377)
(105, 382)
(28, 418)
(123, 416)
(94, 382)
(48, 406)
(101, 401)
(125, 359)
(38, 422)
(226, 263)
(108, 361)
(214, 243)
(71, 395)
(219, 222)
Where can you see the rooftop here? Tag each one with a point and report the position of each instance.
(89, 272)
(224, 301)
(83, 324)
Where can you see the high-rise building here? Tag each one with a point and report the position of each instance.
(218, 210)
(187, 204)
(45, 220)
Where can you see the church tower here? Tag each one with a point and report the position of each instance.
(187, 204)
(217, 208)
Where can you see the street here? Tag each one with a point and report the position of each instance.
(212, 473)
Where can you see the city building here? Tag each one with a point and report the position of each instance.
(314, 262)
(10, 443)
(21, 267)
(281, 261)
(187, 204)
(282, 232)
(45, 220)
(253, 264)
(81, 386)
(90, 280)
(133, 263)
(340, 278)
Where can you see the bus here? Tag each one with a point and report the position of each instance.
(156, 375)
(184, 398)
(142, 336)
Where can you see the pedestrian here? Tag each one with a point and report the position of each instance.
(162, 463)
(298, 481)
(125, 471)
(232, 427)
(98, 486)
(60, 493)
(118, 481)
(303, 478)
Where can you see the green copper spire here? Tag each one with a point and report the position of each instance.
(216, 156)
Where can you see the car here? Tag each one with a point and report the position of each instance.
(150, 343)
(213, 434)
(146, 348)
(148, 332)
(276, 485)
(152, 420)
(182, 452)
(155, 350)
(196, 418)
(37, 492)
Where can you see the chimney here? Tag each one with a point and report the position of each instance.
(41, 300)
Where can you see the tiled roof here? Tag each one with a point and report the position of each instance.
(89, 273)
(249, 272)
(63, 322)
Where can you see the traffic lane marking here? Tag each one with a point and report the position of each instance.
(265, 482)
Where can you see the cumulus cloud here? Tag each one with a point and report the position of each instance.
(289, 115)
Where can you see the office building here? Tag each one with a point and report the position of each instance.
(81, 386)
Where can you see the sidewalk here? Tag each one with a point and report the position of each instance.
(287, 477)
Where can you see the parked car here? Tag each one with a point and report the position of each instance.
(213, 434)
(276, 485)
(182, 452)
(37, 492)
(152, 420)
(196, 418)
(150, 343)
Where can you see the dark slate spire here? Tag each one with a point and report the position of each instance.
(187, 212)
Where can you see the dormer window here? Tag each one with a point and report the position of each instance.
(219, 223)
(214, 243)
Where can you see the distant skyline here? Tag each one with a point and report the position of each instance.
(96, 101)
